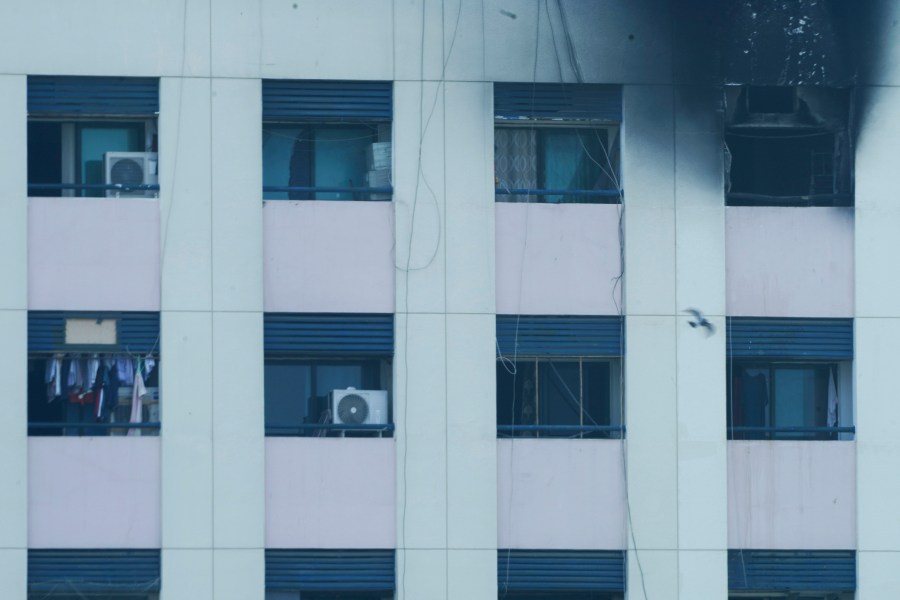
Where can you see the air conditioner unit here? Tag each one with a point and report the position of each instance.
(131, 168)
(359, 407)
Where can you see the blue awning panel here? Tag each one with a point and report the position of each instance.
(789, 338)
(770, 571)
(87, 571)
(328, 101)
(329, 334)
(59, 96)
(549, 335)
(330, 570)
(561, 571)
(557, 101)
(136, 332)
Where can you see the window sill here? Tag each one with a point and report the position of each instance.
(330, 430)
(613, 432)
(573, 196)
(817, 200)
(789, 434)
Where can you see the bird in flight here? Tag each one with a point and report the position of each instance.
(700, 321)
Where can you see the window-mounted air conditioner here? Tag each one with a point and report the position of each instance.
(359, 407)
(129, 169)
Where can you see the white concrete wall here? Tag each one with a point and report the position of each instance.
(330, 493)
(557, 259)
(93, 492)
(444, 373)
(877, 327)
(329, 256)
(675, 409)
(13, 339)
(93, 254)
(792, 495)
(789, 262)
(213, 468)
(561, 494)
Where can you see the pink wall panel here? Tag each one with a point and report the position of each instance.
(94, 492)
(93, 254)
(560, 494)
(792, 495)
(557, 259)
(329, 256)
(789, 262)
(330, 493)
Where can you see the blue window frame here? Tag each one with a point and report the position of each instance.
(93, 136)
(789, 379)
(327, 140)
(83, 373)
(557, 143)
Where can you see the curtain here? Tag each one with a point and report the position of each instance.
(515, 161)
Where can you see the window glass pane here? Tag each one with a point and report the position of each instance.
(515, 161)
(97, 139)
(288, 388)
(596, 393)
(287, 158)
(516, 401)
(44, 155)
(801, 397)
(559, 400)
(340, 159)
(569, 161)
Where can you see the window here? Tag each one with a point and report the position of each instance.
(92, 136)
(785, 401)
(560, 574)
(788, 146)
(326, 140)
(556, 143)
(328, 374)
(330, 574)
(93, 374)
(94, 574)
(559, 376)
(303, 397)
(789, 379)
(542, 397)
(791, 574)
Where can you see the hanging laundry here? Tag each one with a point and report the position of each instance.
(53, 373)
(137, 394)
(832, 399)
(125, 369)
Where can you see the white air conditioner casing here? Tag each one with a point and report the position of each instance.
(375, 402)
(131, 168)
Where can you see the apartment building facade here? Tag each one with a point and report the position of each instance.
(422, 300)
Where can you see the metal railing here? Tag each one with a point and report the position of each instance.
(80, 426)
(325, 190)
(302, 429)
(787, 432)
(604, 196)
(119, 187)
(560, 430)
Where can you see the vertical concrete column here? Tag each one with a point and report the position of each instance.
(13, 337)
(237, 335)
(877, 344)
(700, 359)
(471, 346)
(420, 357)
(186, 344)
(651, 400)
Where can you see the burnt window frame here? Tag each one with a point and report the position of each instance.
(802, 123)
